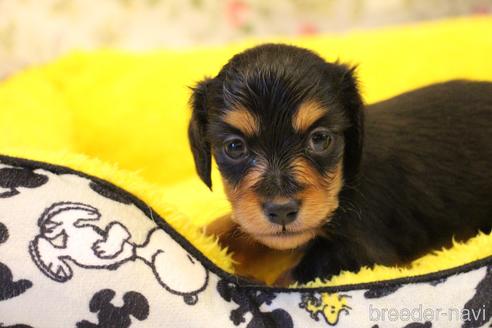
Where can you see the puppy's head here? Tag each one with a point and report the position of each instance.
(285, 128)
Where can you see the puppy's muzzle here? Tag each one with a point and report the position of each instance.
(281, 213)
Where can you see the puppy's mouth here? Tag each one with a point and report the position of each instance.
(286, 238)
(285, 232)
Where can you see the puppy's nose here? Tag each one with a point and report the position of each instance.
(281, 213)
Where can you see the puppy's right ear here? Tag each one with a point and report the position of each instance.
(197, 130)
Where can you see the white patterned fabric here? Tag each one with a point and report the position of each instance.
(76, 251)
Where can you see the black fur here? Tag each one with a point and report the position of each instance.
(200, 146)
(424, 178)
(417, 176)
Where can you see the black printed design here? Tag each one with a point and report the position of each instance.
(13, 178)
(250, 301)
(15, 326)
(109, 316)
(10, 288)
(68, 234)
(438, 281)
(426, 324)
(328, 306)
(112, 193)
(4, 233)
(381, 291)
(384, 290)
(480, 305)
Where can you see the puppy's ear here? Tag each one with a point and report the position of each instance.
(197, 130)
(354, 135)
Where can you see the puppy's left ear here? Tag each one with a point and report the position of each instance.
(197, 131)
(354, 135)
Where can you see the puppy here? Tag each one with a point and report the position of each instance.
(307, 166)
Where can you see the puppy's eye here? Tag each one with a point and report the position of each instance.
(319, 141)
(235, 148)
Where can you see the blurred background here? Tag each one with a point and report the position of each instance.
(35, 31)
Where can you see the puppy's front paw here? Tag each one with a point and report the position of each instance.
(307, 271)
(325, 259)
(285, 279)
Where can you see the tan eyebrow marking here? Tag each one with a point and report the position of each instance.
(243, 120)
(307, 113)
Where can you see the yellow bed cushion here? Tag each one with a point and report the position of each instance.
(122, 117)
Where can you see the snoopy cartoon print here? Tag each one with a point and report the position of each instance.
(68, 235)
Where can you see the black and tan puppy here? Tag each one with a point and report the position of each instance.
(307, 166)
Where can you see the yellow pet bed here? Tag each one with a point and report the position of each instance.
(120, 118)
